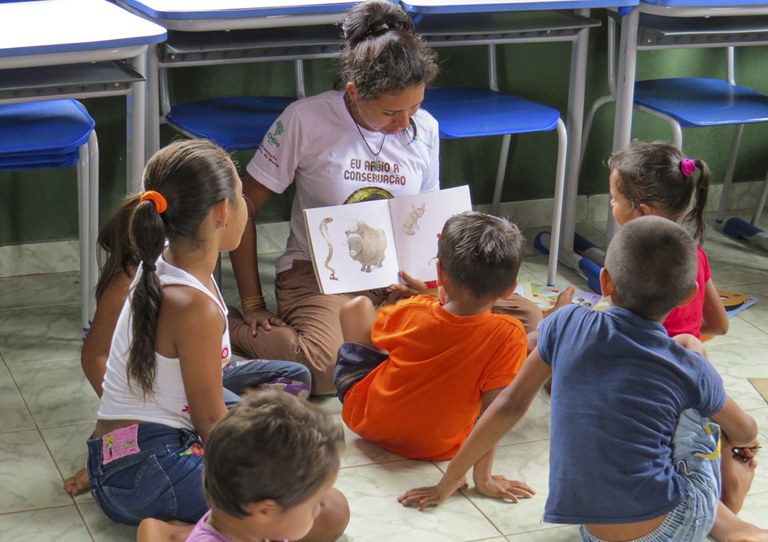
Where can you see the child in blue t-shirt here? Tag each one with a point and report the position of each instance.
(636, 416)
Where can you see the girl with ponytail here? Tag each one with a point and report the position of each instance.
(656, 179)
(163, 390)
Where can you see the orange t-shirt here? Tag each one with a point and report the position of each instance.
(423, 401)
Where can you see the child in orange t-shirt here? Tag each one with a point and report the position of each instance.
(414, 377)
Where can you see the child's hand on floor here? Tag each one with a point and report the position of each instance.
(499, 487)
(432, 495)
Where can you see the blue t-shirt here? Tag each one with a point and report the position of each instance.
(619, 384)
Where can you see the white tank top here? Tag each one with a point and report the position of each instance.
(168, 404)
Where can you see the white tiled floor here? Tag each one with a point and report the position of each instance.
(47, 411)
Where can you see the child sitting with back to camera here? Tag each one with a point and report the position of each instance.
(414, 376)
(654, 178)
(269, 465)
(162, 391)
(636, 416)
(116, 275)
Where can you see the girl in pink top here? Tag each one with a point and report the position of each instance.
(655, 179)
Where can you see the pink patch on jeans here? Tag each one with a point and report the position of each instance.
(120, 443)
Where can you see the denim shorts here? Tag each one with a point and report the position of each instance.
(696, 453)
(148, 470)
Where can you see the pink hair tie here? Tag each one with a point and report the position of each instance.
(688, 166)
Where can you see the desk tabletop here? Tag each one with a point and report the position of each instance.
(479, 6)
(43, 27)
(228, 9)
(707, 3)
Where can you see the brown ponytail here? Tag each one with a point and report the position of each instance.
(147, 234)
(701, 188)
(190, 176)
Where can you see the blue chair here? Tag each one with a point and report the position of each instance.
(476, 112)
(59, 134)
(689, 102)
(236, 124)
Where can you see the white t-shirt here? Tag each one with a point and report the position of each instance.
(168, 404)
(316, 144)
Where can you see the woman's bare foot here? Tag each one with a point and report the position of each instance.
(77, 484)
(154, 530)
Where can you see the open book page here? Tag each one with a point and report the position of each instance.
(545, 297)
(417, 222)
(352, 246)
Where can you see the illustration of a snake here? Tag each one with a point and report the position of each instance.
(324, 232)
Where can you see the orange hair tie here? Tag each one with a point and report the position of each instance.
(157, 198)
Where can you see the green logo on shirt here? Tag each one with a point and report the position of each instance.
(278, 131)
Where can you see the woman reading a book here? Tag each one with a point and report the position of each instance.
(367, 140)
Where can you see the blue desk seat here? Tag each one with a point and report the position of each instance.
(59, 134)
(236, 124)
(696, 102)
(477, 112)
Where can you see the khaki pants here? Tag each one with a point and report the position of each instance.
(312, 334)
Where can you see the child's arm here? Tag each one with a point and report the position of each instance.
(195, 325)
(740, 427)
(714, 316)
(93, 357)
(500, 417)
(485, 481)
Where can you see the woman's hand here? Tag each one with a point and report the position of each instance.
(410, 286)
(262, 318)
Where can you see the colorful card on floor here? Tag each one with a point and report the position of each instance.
(735, 302)
(546, 297)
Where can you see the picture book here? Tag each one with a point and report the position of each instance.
(361, 246)
(545, 297)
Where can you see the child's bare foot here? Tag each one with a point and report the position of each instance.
(750, 533)
(738, 471)
(729, 527)
(77, 484)
(154, 530)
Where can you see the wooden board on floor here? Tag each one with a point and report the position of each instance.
(761, 385)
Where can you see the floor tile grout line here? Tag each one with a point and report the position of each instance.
(34, 307)
(85, 522)
(31, 510)
(38, 430)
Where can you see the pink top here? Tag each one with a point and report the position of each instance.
(204, 532)
(688, 319)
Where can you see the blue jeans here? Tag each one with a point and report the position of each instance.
(241, 375)
(696, 454)
(160, 477)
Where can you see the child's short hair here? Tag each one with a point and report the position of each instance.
(270, 446)
(481, 253)
(653, 264)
